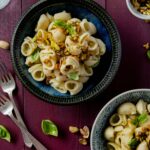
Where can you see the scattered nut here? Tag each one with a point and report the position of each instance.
(4, 44)
(73, 129)
(83, 141)
(146, 46)
(85, 132)
(147, 21)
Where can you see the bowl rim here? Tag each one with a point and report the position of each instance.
(108, 103)
(135, 12)
(108, 77)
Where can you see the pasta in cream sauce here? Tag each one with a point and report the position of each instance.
(63, 51)
(129, 127)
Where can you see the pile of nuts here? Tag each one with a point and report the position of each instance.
(143, 6)
(84, 132)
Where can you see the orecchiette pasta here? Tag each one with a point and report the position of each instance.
(73, 86)
(102, 47)
(58, 35)
(88, 27)
(85, 71)
(37, 72)
(58, 85)
(48, 59)
(43, 22)
(62, 16)
(63, 51)
(129, 128)
(33, 59)
(28, 46)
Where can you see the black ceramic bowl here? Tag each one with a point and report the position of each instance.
(106, 30)
(97, 140)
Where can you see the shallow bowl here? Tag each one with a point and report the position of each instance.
(97, 140)
(106, 30)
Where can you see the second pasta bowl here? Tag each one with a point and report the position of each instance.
(123, 123)
(74, 47)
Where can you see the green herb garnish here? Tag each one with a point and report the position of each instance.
(133, 143)
(73, 76)
(148, 54)
(49, 128)
(36, 55)
(71, 30)
(4, 133)
(140, 119)
(66, 26)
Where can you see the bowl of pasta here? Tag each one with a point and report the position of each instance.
(123, 123)
(67, 52)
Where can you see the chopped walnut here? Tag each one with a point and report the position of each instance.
(4, 44)
(85, 132)
(73, 129)
(83, 141)
(146, 46)
(143, 133)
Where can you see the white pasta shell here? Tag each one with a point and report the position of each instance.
(92, 28)
(4, 44)
(58, 35)
(43, 22)
(143, 146)
(118, 128)
(74, 87)
(127, 109)
(109, 133)
(62, 16)
(141, 107)
(50, 17)
(148, 108)
(94, 44)
(83, 79)
(115, 120)
(102, 47)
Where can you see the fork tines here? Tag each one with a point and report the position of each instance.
(3, 98)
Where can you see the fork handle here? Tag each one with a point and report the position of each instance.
(27, 140)
(36, 143)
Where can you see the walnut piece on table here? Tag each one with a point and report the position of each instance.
(4, 44)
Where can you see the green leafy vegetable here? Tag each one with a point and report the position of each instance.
(71, 30)
(49, 128)
(35, 56)
(73, 76)
(133, 143)
(148, 54)
(140, 119)
(60, 23)
(4, 133)
(66, 26)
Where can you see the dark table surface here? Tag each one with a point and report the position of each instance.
(133, 73)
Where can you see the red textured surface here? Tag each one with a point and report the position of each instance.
(133, 73)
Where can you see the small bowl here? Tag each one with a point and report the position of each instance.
(106, 30)
(97, 140)
(135, 12)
